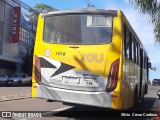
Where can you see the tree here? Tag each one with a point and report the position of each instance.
(152, 8)
(39, 8)
(33, 18)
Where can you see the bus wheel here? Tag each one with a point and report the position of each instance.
(146, 89)
(135, 96)
(142, 99)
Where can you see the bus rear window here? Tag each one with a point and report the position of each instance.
(78, 29)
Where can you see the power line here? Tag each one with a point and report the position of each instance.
(89, 4)
(25, 6)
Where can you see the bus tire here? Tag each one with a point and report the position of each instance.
(146, 89)
(135, 96)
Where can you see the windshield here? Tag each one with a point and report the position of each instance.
(78, 29)
(17, 75)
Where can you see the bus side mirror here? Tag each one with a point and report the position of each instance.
(158, 93)
(149, 65)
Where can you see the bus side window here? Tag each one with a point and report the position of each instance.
(133, 49)
(130, 45)
(126, 42)
(147, 62)
(144, 60)
(139, 54)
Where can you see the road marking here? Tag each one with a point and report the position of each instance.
(62, 109)
(57, 110)
(14, 97)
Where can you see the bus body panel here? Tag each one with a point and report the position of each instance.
(77, 97)
(79, 73)
(92, 62)
(132, 73)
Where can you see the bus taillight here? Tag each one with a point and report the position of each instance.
(37, 70)
(113, 76)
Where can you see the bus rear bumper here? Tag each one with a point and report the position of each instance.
(99, 99)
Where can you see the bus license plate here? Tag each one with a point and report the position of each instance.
(71, 80)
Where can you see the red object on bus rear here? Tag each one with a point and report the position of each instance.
(112, 10)
(37, 70)
(73, 46)
(34, 86)
(113, 76)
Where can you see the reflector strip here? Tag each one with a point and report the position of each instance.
(114, 96)
(35, 86)
(73, 46)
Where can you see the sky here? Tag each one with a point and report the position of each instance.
(140, 22)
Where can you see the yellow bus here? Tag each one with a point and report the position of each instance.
(89, 57)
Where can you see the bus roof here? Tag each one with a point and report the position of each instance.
(82, 11)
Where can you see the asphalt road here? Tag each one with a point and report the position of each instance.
(58, 111)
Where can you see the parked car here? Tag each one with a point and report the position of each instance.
(3, 79)
(156, 82)
(19, 79)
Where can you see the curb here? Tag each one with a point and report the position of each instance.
(15, 97)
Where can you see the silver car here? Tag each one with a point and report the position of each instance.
(3, 79)
(19, 79)
(156, 82)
